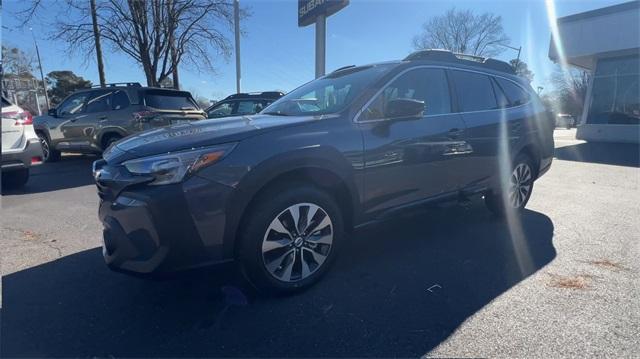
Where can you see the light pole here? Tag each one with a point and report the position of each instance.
(44, 86)
(519, 49)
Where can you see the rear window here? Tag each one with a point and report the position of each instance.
(475, 91)
(166, 100)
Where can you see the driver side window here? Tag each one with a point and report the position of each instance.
(427, 85)
(73, 105)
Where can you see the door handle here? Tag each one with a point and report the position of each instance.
(454, 133)
(102, 118)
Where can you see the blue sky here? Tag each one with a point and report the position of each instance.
(276, 54)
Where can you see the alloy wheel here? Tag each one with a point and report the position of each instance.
(520, 185)
(297, 242)
(45, 148)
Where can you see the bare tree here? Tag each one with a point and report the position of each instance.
(569, 90)
(80, 7)
(463, 31)
(521, 69)
(159, 34)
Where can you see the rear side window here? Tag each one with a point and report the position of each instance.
(517, 95)
(166, 100)
(120, 100)
(5, 103)
(475, 92)
(249, 107)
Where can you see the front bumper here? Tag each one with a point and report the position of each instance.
(19, 159)
(161, 229)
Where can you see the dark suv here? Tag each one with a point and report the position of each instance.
(88, 121)
(276, 191)
(243, 104)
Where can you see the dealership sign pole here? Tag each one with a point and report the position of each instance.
(317, 11)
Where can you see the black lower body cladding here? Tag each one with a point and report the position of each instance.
(158, 229)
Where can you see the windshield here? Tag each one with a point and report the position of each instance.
(330, 94)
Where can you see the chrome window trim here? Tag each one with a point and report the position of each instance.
(356, 118)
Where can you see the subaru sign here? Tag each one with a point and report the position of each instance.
(309, 10)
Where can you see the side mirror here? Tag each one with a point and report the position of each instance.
(404, 107)
(53, 112)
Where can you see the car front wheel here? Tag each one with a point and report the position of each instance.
(291, 239)
(516, 191)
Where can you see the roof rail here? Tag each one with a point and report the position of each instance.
(128, 84)
(264, 93)
(343, 68)
(464, 59)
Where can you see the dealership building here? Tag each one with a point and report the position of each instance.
(605, 42)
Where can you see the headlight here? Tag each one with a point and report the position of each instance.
(174, 167)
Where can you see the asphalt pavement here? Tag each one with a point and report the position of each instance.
(447, 282)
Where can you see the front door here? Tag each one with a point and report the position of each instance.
(411, 159)
(74, 116)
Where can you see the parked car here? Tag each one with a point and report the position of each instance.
(276, 191)
(565, 120)
(90, 120)
(243, 104)
(20, 145)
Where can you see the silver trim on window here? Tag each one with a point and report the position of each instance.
(356, 118)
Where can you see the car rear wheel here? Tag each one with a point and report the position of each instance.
(49, 154)
(517, 191)
(290, 241)
(15, 179)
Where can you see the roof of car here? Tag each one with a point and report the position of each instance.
(252, 95)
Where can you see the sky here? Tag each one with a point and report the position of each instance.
(278, 55)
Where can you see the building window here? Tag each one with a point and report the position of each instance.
(615, 96)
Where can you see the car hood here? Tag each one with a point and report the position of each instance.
(198, 134)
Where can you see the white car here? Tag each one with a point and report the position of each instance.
(21, 147)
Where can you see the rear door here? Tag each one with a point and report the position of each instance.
(170, 107)
(482, 115)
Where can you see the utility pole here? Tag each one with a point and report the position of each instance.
(321, 39)
(96, 36)
(519, 49)
(236, 18)
(44, 85)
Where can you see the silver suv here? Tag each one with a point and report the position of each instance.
(20, 145)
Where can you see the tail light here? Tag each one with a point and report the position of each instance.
(22, 118)
(144, 115)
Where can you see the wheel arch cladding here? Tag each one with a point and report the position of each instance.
(531, 150)
(316, 172)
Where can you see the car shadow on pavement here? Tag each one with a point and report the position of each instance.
(398, 289)
(70, 172)
(618, 154)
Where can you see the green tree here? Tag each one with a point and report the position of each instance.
(63, 83)
(521, 69)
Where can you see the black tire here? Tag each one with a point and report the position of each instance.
(257, 229)
(15, 179)
(499, 201)
(49, 154)
(109, 139)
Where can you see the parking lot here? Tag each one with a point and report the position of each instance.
(451, 281)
